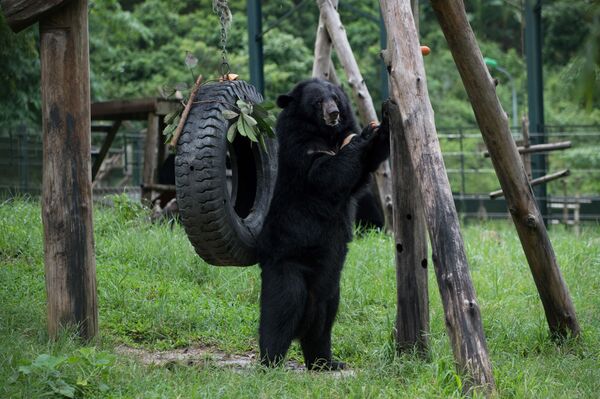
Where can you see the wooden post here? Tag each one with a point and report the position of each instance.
(412, 316)
(493, 124)
(409, 91)
(150, 157)
(67, 196)
(110, 136)
(366, 110)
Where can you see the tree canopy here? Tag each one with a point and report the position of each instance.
(138, 47)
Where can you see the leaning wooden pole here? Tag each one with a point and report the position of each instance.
(366, 110)
(409, 91)
(67, 191)
(323, 64)
(493, 124)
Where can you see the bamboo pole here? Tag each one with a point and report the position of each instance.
(493, 124)
(409, 92)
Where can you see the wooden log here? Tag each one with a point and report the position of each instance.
(535, 182)
(366, 110)
(409, 91)
(322, 63)
(493, 124)
(110, 136)
(539, 148)
(69, 258)
(20, 14)
(149, 172)
(412, 316)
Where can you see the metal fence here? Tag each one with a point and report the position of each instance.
(471, 175)
(21, 162)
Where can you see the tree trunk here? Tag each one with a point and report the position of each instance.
(67, 195)
(412, 317)
(493, 124)
(409, 91)
(366, 110)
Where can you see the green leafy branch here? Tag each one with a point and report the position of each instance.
(252, 121)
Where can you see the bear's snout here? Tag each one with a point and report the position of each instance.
(331, 113)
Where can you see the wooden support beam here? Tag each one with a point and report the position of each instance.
(69, 258)
(410, 235)
(493, 124)
(366, 110)
(20, 14)
(539, 148)
(409, 91)
(149, 173)
(110, 136)
(535, 182)
(159, 187)
(137, 109)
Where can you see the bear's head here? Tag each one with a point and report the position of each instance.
(319, 101)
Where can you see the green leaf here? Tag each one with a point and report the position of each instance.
(240, 126)
(64, 389)
(260, 112)
(231, 132)
(248, 131)
(245, 108)
(228, 114)
(249, 120)
(263, 144)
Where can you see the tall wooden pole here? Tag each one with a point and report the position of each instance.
(67, 195)
(494, 127)
(410, 236)
(409, 92)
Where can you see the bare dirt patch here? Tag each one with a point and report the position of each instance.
(207, 357)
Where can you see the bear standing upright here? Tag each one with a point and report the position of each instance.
(323, 163)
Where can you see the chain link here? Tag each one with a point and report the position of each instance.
(222, 8)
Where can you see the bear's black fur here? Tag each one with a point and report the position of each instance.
(303, 244)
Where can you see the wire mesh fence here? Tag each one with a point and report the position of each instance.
(471, 174)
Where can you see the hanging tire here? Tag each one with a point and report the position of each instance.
(223, 189)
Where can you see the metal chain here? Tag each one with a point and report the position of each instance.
(222, 8)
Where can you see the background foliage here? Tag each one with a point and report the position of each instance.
(138, 46)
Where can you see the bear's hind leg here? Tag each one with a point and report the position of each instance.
(282, 301)
(316, 343)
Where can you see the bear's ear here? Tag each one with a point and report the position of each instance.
(284, 100)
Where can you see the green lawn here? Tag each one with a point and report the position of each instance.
(156, 294)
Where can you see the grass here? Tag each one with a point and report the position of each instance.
(155, 293)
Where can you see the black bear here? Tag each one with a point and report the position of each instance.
(324, 161)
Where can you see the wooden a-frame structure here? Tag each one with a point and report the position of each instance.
(417, 163)
(67, 209)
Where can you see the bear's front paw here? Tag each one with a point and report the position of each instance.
(369, 131)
